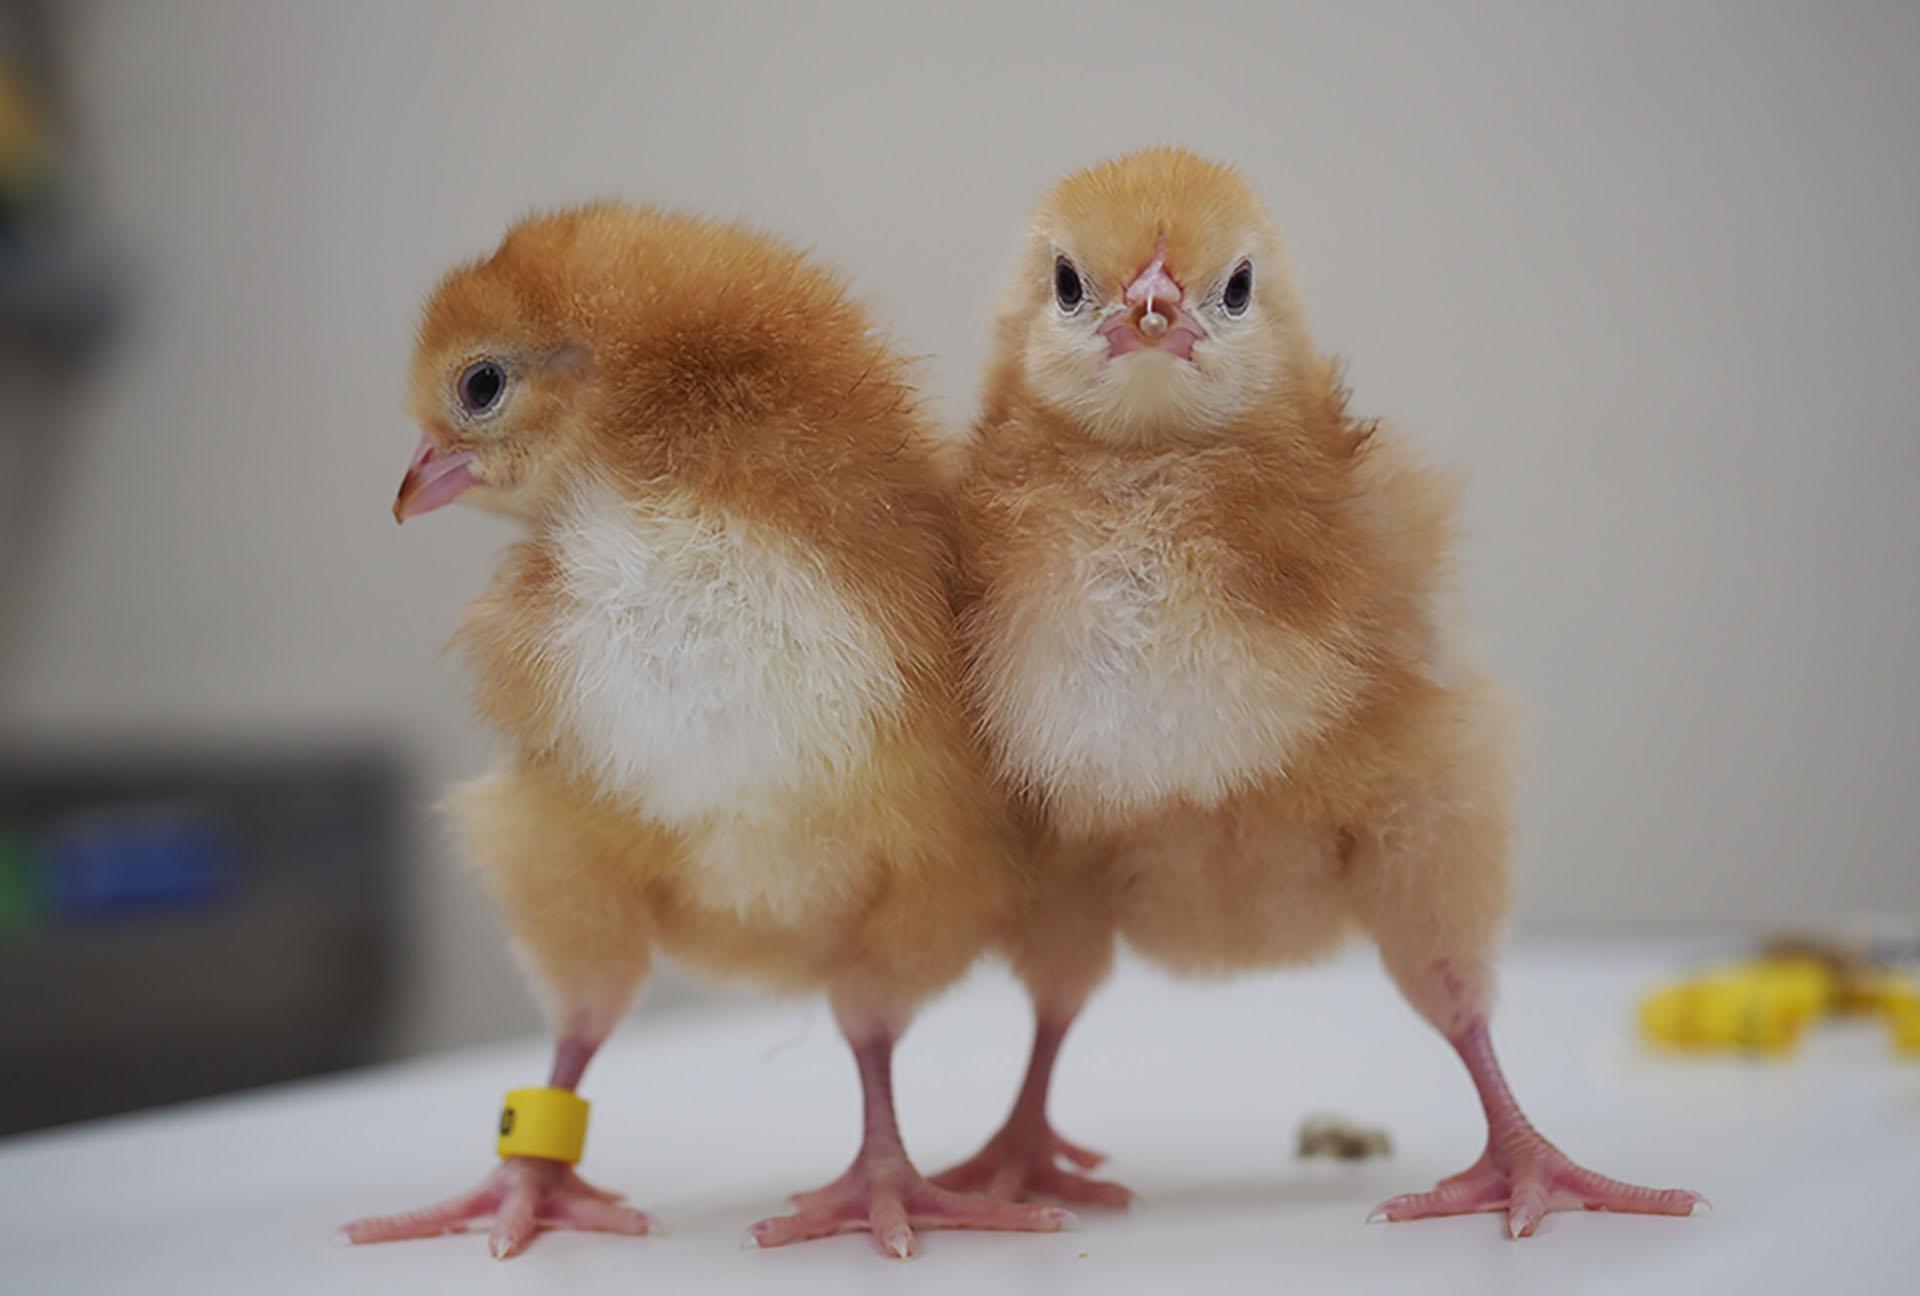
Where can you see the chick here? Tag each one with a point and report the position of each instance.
(723, 658)
(1212, 649)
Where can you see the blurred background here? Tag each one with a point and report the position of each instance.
(1648, 273)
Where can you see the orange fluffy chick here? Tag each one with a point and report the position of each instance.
(723, 657)
(1212, 648)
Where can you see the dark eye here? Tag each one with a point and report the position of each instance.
(481, 385)
(1239, 290)
(1067, 288)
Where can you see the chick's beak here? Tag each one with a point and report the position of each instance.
(1153, 315)
(435, 477)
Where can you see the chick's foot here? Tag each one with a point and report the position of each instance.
(1521, 1173)
(523, 1196)
(887, 1197)
(1528, 1182)
(1022, 1161)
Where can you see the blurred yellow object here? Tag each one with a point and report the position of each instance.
(1808, 985)
(1762, 1005)
(1723, 1012)
(1889, 993)
(1759, 1006)
(549, 1123)
(1902, 1000)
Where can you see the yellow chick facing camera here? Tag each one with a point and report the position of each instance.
(546, 1123)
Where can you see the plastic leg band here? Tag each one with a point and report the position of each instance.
(546, 1123)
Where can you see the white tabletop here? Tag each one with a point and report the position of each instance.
(1196, 1090)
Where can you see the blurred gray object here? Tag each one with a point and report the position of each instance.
(60, 293)
(173, 927)
(56, 297)
(57, 292)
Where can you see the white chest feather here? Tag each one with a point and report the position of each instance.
(710, 667)
(1124, 676)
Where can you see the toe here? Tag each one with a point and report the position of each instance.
(1081, 1190)
(514, 1225)
(1454, 1196)
(1635, 1200)
(1404, 1207)
(887, 1217)
(445, 1217)
(1584, 1187)
(775, 1230)
(801, 1226)
(1526, 1208)
(595, 1216)
(1084, 1157)
(943, 1209)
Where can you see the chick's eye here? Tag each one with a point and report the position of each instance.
(1239, 290)
(481, 386)
(1067, 288)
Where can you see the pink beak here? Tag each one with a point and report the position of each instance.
(433, 478)
(1154, 317)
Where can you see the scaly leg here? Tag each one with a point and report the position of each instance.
(1022, 1159)
(1429, 878)
(1520, 1172)
(523, 1195)
(881, 1192)
(531, 837)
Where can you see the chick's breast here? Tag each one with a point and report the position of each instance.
(1112, 667)
(708, 664)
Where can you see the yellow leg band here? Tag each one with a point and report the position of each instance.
(549, 1123)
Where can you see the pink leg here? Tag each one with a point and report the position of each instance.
(1022, 1159)
(1520, 1172)
(882, 1193)
(523, 1195)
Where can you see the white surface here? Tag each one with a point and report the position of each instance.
(1646, 271)
(1195, 1089)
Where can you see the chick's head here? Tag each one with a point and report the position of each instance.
(613, 339)
(1153, 300)
(501, 373)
